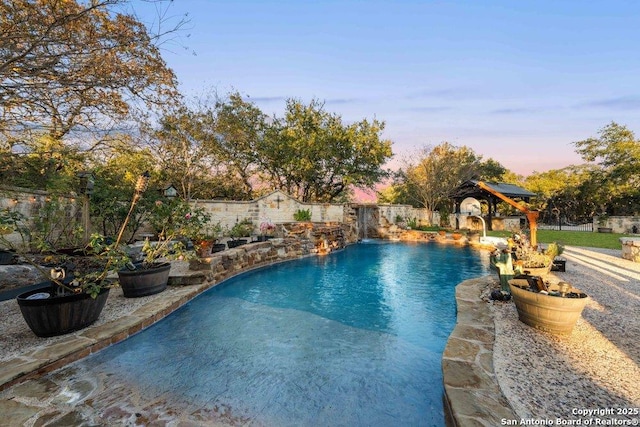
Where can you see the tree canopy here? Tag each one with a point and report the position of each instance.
(429, 177)
(312, 155)
(66, 65)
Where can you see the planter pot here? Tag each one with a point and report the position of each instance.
(144, 281)
(218, 247)
(263, 238)
(203, 249)
(537, 271)
(559, 265)
(6, 257)
(236, 243)
(553, 314)
(59, 315)
(456, 236)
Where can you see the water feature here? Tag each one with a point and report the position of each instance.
(352, 338)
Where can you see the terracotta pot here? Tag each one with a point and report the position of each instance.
(59, 315)
(144, 281)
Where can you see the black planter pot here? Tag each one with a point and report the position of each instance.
(236, 243)
(144, 281)
(263, 238)
(6, 257)
(218, 247)
(59, 315)
(559, 265)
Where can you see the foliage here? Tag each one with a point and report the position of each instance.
(185, 146)
(412, 223)
(240, 131)
(56, 225)
(69, 64)
(554, 249)
(242, 228)
(176, 218)
(615, 185)
(526, 256)
(12, 221)
(616, 150)
(313, 156)
(115, 179)
(111, 252)
(302, 215)
(438, 171)
(44, 163)
(210, 232)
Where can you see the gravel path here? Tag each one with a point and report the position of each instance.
(597, 367)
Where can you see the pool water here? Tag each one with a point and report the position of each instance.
(352, 338)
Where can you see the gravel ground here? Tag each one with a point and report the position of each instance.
(597, 367)
(16, 338)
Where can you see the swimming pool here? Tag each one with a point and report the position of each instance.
(352, 338)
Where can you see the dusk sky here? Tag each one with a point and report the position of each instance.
(516, 81)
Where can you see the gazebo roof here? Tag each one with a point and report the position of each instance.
(470, 189)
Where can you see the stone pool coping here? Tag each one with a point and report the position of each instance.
(472, 395)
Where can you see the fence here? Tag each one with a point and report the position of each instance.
(579, 224)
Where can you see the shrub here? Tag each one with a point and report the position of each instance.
(302, 215)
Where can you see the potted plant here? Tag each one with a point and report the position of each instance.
(238, 231)
(554, 250)
(530, 260)
(267, 229)
(552, 308)
(207, 240)
(173, 221)
(69, 302)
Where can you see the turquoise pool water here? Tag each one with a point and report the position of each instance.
(354, 338)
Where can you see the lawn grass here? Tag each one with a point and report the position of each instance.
(574, 238)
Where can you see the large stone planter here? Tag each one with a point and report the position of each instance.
(549, 313)
(49, 315)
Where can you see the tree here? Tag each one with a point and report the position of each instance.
(185, 147)
(240, 133)
(67, 65)
(312, 155)
(116, 176)
(438, 171)
(616, 151)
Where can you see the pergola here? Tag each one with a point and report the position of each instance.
(473, 188)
